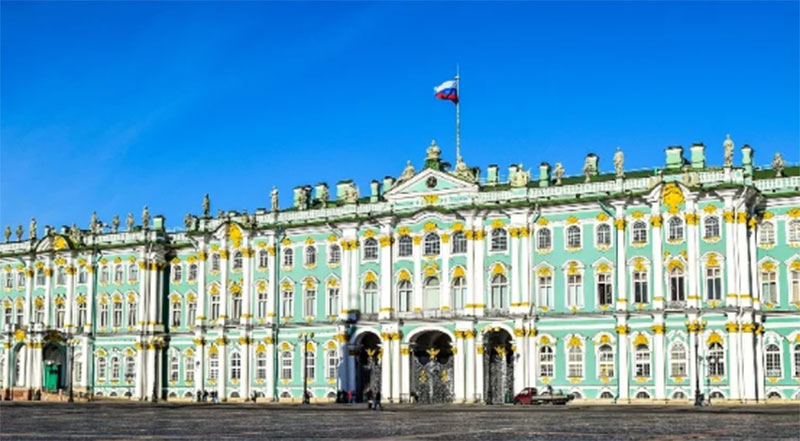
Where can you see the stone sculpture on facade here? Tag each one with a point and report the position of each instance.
(7, 233)
(463, 171)
(587, 170)
(206, 205)
(115, 224)
(274, 198)
(187, 221)
(558, 172)
(727, 145)
(323, 196)
(433, 151)
(145, 218)
(75, 234)
(20, 232)
(129, 221)
(351, 196)
(94, 224)
(520, 177)
(619, 163)
(408, 173)
(32, 229)
(302, 199)
(778, 164)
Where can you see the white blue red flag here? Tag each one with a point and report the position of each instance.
(447, 91)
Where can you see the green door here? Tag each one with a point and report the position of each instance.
(51, 374)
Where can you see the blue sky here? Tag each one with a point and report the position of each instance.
(109, 106)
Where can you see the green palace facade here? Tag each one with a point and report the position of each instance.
(440, 285)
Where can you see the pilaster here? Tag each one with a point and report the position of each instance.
(623, 351)
(386, 308)
(659, 329)
(621, 264)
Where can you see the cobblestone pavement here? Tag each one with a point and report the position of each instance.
(139, 421)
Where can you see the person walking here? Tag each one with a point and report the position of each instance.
(377, 402)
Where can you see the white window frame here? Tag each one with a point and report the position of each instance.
(598, 235)
(405, 246)
(371, 251)
(459, 245)
(542, 234)
(766, 234)
(706, 226)
(567, 237)
(676, 230)
(432, 245)
(681, 363)
(498, 241)
(639, 228)
(310, 255)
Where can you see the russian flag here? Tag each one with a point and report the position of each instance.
(447, 91)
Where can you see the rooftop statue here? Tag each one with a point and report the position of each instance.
(520, 177)
(32, 229)
(559, 173)
(619, 163)
(727, 145)
(220, 214)
(302, 199)
(274, 197)
(463, 171)
(129, 221)
(408, 173)
(115, 224)
(20, 232)
(351, 196)
(434, 152)
(75, 234)
(587, 170)
(145, 218)
(206, 206)
(94, 224)
(778, 164)
(187, 221)
(7, 233)
(323, 196)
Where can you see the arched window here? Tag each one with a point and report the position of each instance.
(679, 395)
(192, 272)
(499, 240)
(61, 312)
(101, 368)
(263, 259)
(606, 395)
(769, 285)
(310, 301)
(118, 274)
(459, 243)
(286, 365)
(404, 292)
(677, 360)
(237, 260)
(766, 234)
(431, 294)
(115, 369)
(371, 249)
(261, 365)
(191, 312)
(215, 262)
(499, 290)
(104, 274)
(311, 365)
(61, 276)
(133, 272)
(236, 366)
(573, 236)
(432, 244)
(676, 285)
(177, 273)
(642, 395)
(772, 358)
(332, 358)
(174, 369)
(405, 246)
(675, 229)
(794, 231)
(605, 361)
(544, 240)
(288, 257)
(711, 227)
(130, 369)
(642, 361)
(213, 365)
(716, 360)
(575, 362)
(546, 361)
(604, 235)
(81, 307)
(459, 293)
(116, 314)
(311, 255)
(639, 231)
(334, 254)
(370, 298)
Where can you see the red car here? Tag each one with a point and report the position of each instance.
(530, 395)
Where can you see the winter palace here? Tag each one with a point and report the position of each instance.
(443, 284)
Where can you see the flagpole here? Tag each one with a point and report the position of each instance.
(458, 117)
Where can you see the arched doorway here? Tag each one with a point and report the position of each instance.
(432, 368)
(55, 368)
(368, 364)
(498, 367)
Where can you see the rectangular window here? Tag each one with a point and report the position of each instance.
(287, 309)
(39, 314)
(262, 305)
(640, 294)
(213, 367)
(333, 364)
(191, 313)
(261, 366)
(20, 315)
(236, 307)
(310, 307)
(117, 315)
(574, 290)
(333, 301)
(545, 291)
(189, 369)
(81, 315)
(60, 316)
(8, 315)
(713, 284)
(605, 294)
(215, 307)
(103, 315)
(133, 314)
(286, 366)
(769, 286)
(174, 370)
(642, 362)
(176, 315)
(794, 286)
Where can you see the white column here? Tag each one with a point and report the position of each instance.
(91, 296)
(202, 257)
(520, 358)
(139, 387)
(459, 391)
(748, 360)
(734, 361)
(760, 375)
(693, 261)
(730, 254)
(153, 299)
(270, 383)
(144, 284)
(386, 365)
(354, 263)
(525, 268)
(200, 368)
(71, 317)
(660, 359)
(622, 293)
(48, 297)
(533, 358)
(247, 290)
(515, 274)
(658, 255)
(222, 380)
(742, 254)
(244, 385)
(405, 372)
(470, 270)
(622, 350)
(151, 370)
(397, 362)
(416, 304)
(28, 310)
(479, 389)
(223, 291)
(386, 304)
(469, 364)
(479, 272)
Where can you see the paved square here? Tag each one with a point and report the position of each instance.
(138, 421)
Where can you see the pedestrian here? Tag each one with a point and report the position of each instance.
(350, 396)
(368, 396)
(377, 402)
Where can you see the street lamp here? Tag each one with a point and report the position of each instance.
(698, 397)
(305, 336)
(711, 359)
(71, 343)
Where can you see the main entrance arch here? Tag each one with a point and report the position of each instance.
(368, 364)
(432, 367)
(55, 367)
(498, 367)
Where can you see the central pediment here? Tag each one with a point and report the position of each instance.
(430, 182)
